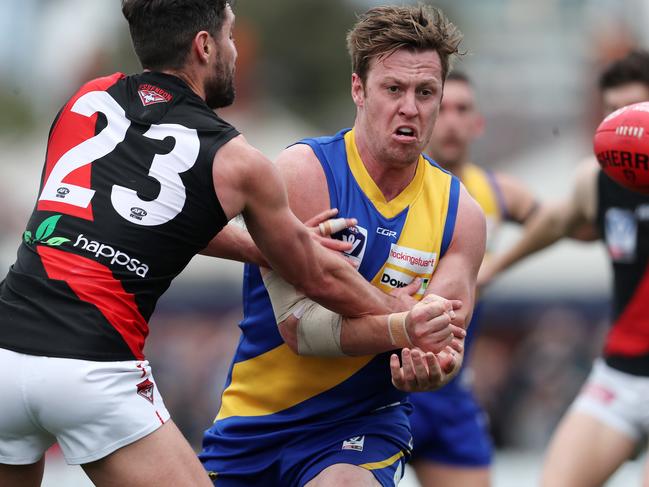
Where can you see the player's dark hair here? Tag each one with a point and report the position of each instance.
(633, 68)
(382, 30)
(162, 30)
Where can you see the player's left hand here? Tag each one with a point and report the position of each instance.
(323, 225)
(418, 371)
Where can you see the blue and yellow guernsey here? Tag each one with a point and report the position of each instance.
(482, 186)
(269, 387)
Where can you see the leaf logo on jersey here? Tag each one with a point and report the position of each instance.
(44, 231)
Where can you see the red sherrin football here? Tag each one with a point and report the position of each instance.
(621, 144)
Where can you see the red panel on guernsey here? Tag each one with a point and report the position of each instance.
(94, 283)
(72, 129)
(630, 333)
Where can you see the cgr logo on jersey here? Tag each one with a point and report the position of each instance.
(116, 257)
(386, 232)
(150, 94)
(357, 236)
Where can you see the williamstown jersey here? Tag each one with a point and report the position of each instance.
(126, 199)
(623, 221)
(482, 186)
(269, 387)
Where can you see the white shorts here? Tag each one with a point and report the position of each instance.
(618, 399)
(90, 408)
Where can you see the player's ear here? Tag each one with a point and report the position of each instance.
(203, 46)
(478, 125)
(358, 90)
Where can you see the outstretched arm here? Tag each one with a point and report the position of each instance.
(571, 216)
(248, 183)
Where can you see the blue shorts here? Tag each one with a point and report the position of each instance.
(291, 458)
(449, 427)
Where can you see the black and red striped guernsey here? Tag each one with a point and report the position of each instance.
(623, 221)
(126, 200)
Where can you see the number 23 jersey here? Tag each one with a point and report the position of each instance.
(126, 199)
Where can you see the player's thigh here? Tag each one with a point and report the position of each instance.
(22, 475)
(432, 474)
(344, 475)
(163, 458)
(584, 452)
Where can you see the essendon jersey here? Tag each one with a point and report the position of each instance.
(623, 220)
(126, 199)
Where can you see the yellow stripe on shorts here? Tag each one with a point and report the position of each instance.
(383, 463)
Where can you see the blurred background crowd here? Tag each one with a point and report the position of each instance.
(535, 67)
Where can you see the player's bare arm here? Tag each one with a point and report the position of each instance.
(567, 217)
(520, 203)
(235, 243)
(248, 183)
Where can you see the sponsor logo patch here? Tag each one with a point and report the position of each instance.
(150, 94)
(411, 260)
(396, 280)
(354, 443)
(145, 389)
(116, 257)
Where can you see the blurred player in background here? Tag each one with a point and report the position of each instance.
(288, 418)
(128, 196)
(609, 418)
(452, 445)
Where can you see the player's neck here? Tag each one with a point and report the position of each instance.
(190, 80)
(390, 178)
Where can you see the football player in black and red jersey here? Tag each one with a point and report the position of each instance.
(140, 175)
(608, 419)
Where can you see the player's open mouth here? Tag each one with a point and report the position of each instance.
(405, 133)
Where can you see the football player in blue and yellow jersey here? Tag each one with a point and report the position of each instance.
(289, 418)
(452, 445)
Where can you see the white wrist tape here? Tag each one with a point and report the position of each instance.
(319, 329)
(397, 329)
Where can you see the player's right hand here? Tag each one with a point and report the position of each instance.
(429, 323)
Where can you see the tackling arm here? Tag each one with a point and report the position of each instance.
(248, 183)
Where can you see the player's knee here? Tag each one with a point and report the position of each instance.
(344, 475)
